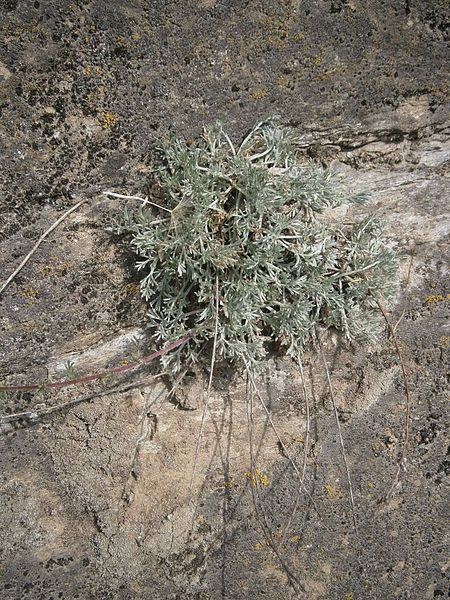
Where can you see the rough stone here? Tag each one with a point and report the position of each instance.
(96, 499)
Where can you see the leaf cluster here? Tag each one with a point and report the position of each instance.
(248, 220)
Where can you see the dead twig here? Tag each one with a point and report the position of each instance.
(402, 458)
(149, 423)
(280, 441)
(305, 454)
(341, 439)
(208, 393)
(143, 200)
(33, 416)
(254, 489)
(39, 242)
(407, 282)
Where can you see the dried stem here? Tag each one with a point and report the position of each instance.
(404, 451)
(280, 441)
(306, 447)
(341, 440)
(254, 488)
(32, 416)
(208, 393)
(39, 242)
(143, 200)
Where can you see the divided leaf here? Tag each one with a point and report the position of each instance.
(251, 216)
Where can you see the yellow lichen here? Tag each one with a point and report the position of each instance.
(298, 37)
(259, 93)
(444, 341)
(88, 71)
(54, 269)
(298, 439)
(282, 81)
(121, 41)
(30, 294)
(436, 299)
(90, 101)
(377, 447)
(30, 325)
(278, 30)
(258, 478)
(332, 491)
(109, 119)
(132, 288)
(277, 533)
(136, 37)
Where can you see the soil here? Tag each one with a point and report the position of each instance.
(97, 500)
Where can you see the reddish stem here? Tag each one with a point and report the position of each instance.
(67, 382)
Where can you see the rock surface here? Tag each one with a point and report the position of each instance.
(96, 500)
